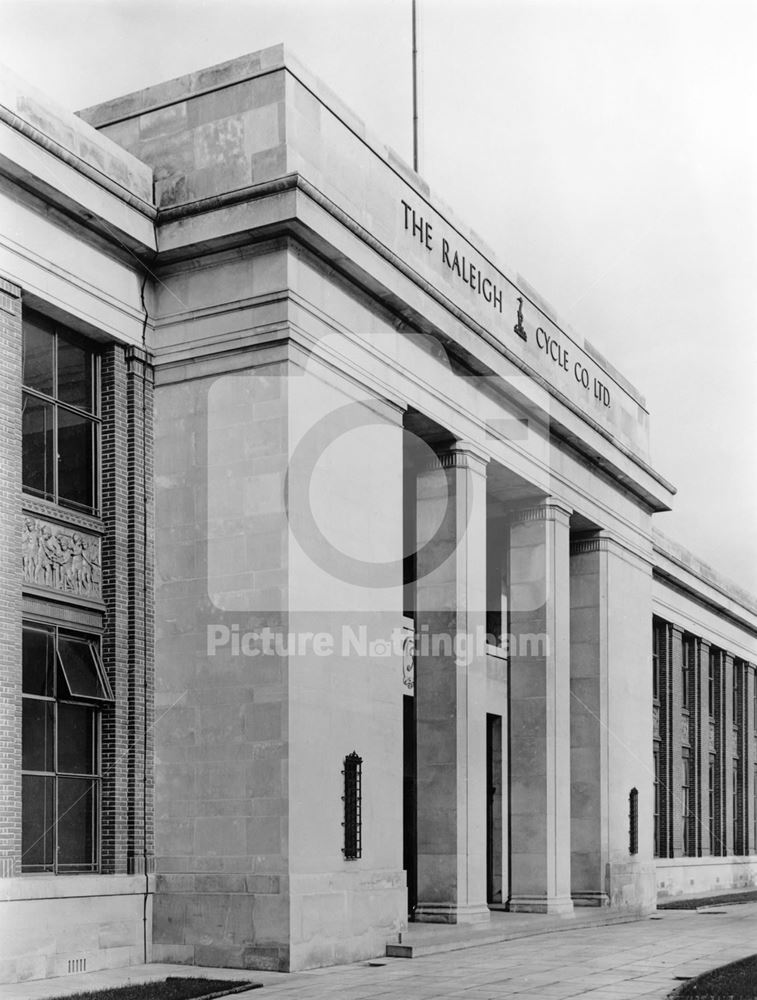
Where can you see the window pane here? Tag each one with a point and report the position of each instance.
(37, 660)
(76, 743)
(76, 824)
(81, 668)
(75, 458)
(37, 823)
(38, 744)
(74, 374)
(38, 356)
(38, 446)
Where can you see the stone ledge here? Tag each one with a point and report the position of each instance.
(73, 886)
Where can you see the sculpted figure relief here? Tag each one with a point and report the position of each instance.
(60, 558)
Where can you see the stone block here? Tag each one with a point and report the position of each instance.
(264, 835)
(218, 836)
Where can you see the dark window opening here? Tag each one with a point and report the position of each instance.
(687, 657)
(64, 688)
(686, 812)
(657, 802)
(60, 424)
(633, 821)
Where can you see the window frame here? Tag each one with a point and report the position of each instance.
(687, 815)
(94, 415)
(93, 777)
(687, 672)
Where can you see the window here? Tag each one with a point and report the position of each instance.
(64, 688)
(60, 421)
(686, 814)
(736, 705)
(711, 687)
(633, 821)
(657, 802)
(687, 655)
(736, 806)
(714, 847)
(714, 684)
(657, 639)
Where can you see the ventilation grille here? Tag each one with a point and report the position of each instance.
(77, 965)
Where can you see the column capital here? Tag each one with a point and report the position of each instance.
(549, 509)
(460, 455)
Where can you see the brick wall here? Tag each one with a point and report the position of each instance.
(127, 510)
(10, 579)
(728, 737)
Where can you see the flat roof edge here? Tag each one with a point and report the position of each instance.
(685, 560)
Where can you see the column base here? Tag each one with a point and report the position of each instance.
(590, 899)
(452, 913)
(559, 905)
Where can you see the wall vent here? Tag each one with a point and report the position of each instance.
(77, 965)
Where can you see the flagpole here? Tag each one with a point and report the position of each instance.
(415, 85)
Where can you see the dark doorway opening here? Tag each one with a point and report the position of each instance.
(409, 802)
(494, 826)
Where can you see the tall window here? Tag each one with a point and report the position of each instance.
(687, 658)
(714, 846)
(736, 690)
(736, 806)
(656, 643)
(64, 688)
(60, 415)
(686, 814)
(657, 803)
(711, 686)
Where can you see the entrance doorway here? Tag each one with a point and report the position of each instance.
(409, 802)
(494, 826)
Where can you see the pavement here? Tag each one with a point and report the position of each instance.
(646, 958)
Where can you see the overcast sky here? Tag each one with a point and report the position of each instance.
(606, 149)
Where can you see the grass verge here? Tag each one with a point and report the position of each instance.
(724, 897)
(736, 981)
(172, 988)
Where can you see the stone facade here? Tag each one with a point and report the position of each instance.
(332, 428)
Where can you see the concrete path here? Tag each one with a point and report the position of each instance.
(616, 962)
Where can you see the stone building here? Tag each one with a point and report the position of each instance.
(331, 596)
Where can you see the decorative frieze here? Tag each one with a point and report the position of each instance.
(61, 558)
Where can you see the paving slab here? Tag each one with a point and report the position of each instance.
(614, 962)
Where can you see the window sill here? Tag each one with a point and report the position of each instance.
(64, 515)
(45, 886)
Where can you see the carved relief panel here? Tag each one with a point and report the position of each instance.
(61, 558)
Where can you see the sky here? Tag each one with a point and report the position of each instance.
(605, 149)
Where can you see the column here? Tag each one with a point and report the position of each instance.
(729, 751)
(540, 709)
(588, 720)
(675, 660)
(705, 743)
(450, 692)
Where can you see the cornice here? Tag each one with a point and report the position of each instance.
(295, 182)
(39, 138)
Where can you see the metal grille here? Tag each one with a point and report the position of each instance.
(633, 822)
(352, 798)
